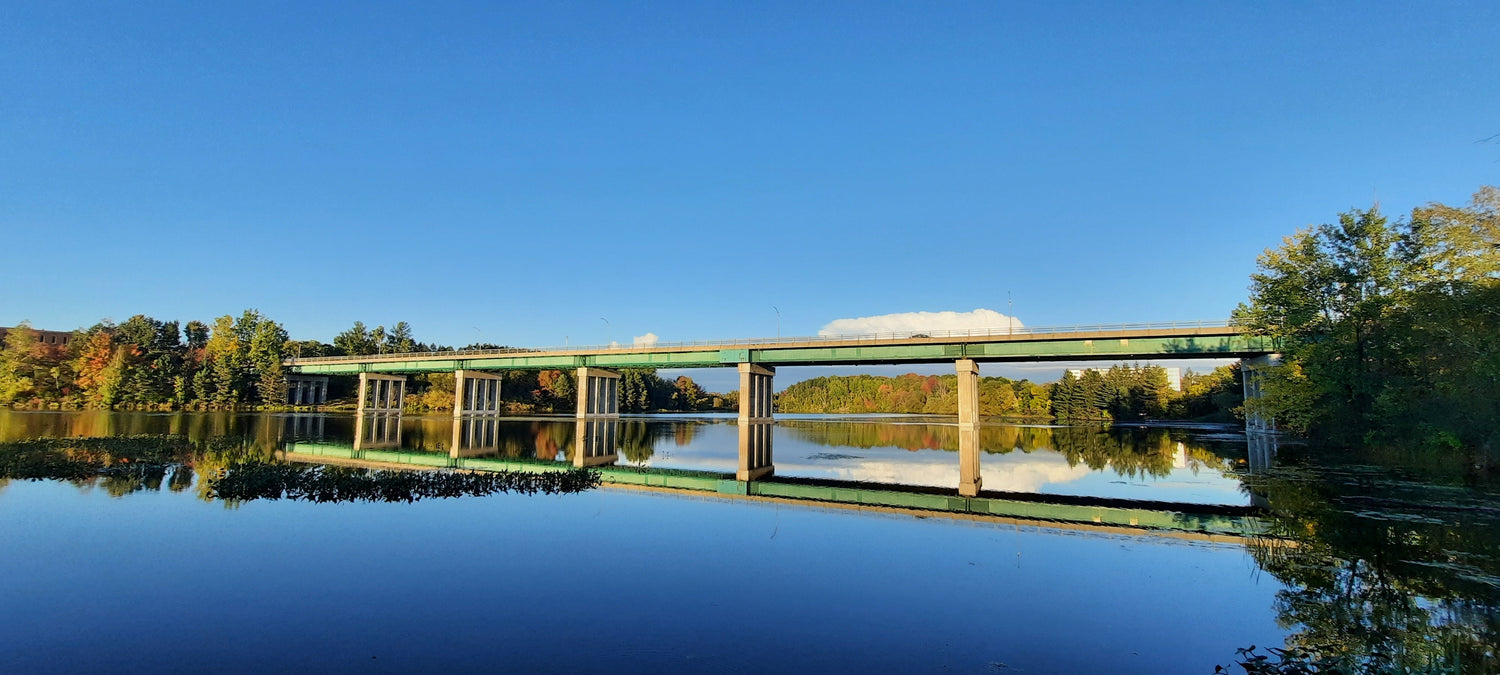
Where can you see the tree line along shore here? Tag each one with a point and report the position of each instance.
(1390, 331)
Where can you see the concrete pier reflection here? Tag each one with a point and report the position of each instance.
(596, 442)
(755, 451)
(304, 426)
(475, 437)
(969, 480)
(377, 431)
(1262, 448)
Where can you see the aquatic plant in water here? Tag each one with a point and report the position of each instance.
(261, 480)
(130, 463)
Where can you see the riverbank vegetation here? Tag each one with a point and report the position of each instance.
(148, 364)
(1120, 393)
(1390, 330)
(227, 472)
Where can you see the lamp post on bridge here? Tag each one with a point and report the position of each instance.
(778, 321)
(609, 332)
(1010, 314)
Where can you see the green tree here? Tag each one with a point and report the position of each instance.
(357, 341)
(1385, 327)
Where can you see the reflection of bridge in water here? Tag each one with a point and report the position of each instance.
(382, 377)
(476, 444)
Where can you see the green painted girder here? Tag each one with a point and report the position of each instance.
(1179, 347)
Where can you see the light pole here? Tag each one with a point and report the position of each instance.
(778, 321)
(609, 331)
(1010, 314)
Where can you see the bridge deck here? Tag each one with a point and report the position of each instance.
(1138, 341)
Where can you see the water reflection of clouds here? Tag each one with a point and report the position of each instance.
(1026, 473)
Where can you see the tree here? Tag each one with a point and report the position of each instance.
(17, 363)
(197, 334)
(1385, 327)
(266, 350)
(399, 341)
(357, 341)
(226, 359)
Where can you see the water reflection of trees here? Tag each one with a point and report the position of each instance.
(1386, 574)
(1128, 451)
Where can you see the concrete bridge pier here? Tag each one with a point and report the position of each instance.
(756, 392)
(598, 393)
(306, 390)
(475, 393)
(381, 393)
(969, 480)
(1253, 373)
(596, 442)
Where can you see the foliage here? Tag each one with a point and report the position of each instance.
(1386, 569)
(911, 394)
(1388, 329)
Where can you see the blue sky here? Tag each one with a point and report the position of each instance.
(521, 173)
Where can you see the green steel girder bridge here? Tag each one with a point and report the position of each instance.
(382, 377)
(1118, 342)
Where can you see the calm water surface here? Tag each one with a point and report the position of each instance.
(113, 575)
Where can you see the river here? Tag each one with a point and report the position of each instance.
(1366, 561)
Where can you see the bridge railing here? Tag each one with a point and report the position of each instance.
(858, 338)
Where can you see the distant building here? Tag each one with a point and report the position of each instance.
(1174, 375)
(46, 337)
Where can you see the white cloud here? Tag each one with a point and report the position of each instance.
(922, 322)
(647, 340)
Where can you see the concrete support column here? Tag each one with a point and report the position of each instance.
(475, 393)
(968, 393)
(757, 387)
(598, 393)
(364, 390)
(1252, 374)
(459, 382)
(381, 393)
(969, 480)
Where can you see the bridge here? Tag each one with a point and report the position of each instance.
(477, 382)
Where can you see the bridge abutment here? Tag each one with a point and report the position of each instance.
(475, 393)
(381, 393)
(598, 393)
